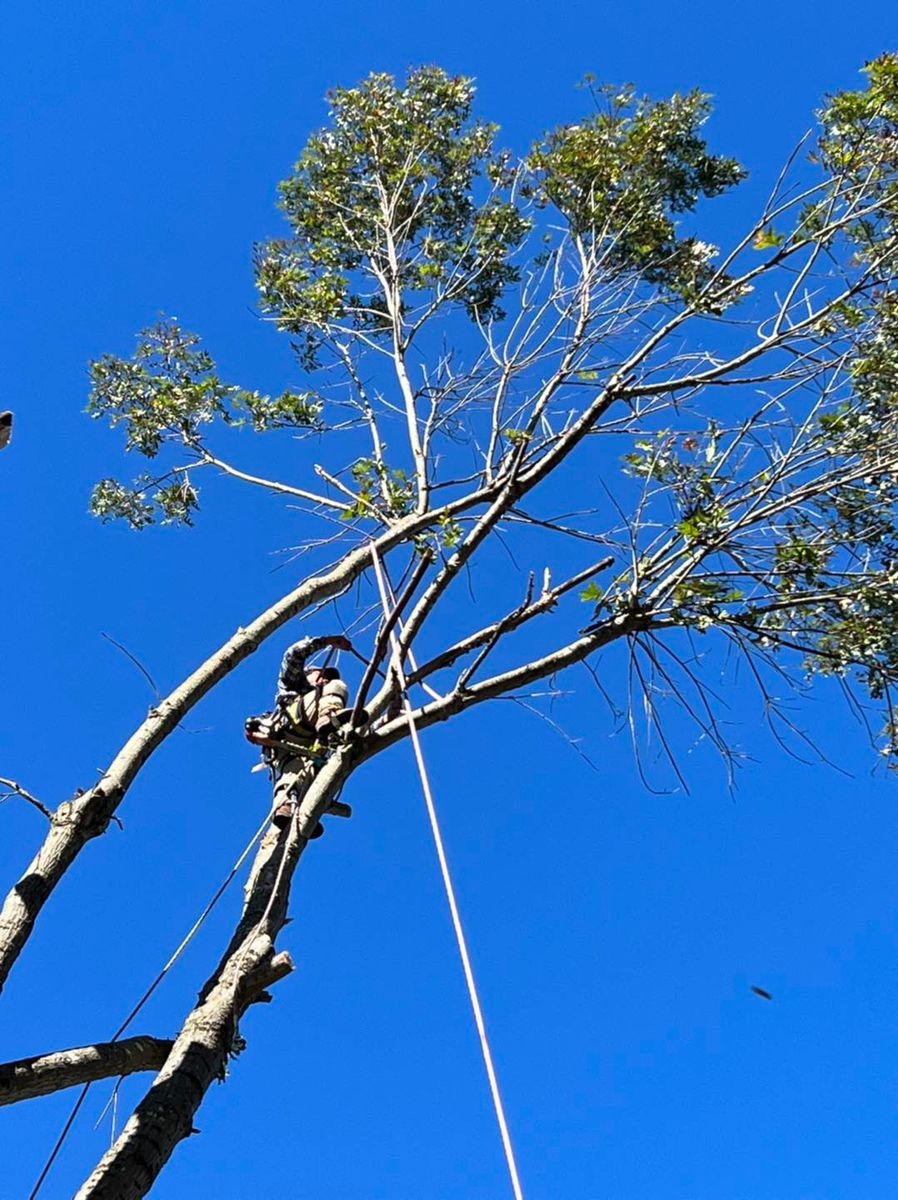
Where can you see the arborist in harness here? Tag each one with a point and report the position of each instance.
(310, 711)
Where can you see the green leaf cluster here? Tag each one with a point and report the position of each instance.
(699, 600)
(168, 390)
(385, 194)
(622, 176)
(686, 466)
(380, 490)
(857, 150)
(164, 395)
(170, 502)
(800, 561)
(165, 392)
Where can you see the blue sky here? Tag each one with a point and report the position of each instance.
(615, 933)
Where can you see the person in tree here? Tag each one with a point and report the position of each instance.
(311, 700)
(310, 708)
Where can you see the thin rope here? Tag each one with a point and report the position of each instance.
(185, 942)
(450, 891)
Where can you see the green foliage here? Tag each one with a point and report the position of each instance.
(800, 561)
(379, 490)
(169, 390)
(112, 501)
(701, 601)
(449, 532)
(384, 197)
(863, 636)
(686, 467)
(290, 410)
(857, 151)
(176, 501)
(622, 176)
(768, 239)
(165, 395)
(149, 501)
(165, 392)
(517, 436)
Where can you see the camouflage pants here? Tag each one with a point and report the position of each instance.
(294, 778)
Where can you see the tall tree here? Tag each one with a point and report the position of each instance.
(480, 336)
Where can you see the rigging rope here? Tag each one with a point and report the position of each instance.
(447, 884)
(185, 942)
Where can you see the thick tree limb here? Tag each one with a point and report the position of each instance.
(46, 1073)
(77, 821)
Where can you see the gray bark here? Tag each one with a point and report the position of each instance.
(46, 1073)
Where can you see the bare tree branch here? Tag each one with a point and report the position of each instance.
(16, 789)
(45, 1073)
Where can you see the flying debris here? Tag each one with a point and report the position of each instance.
(759, 991)
(5, 429)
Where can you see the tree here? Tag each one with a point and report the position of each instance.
(471, 328)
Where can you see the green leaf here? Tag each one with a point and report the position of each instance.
(767, 238)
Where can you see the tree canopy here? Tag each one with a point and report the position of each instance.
(759, 481)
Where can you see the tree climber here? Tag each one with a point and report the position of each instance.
(310, 710)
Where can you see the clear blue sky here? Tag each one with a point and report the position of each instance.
(615, 933)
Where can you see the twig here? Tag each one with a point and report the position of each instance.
(127, 653)
(15, 789)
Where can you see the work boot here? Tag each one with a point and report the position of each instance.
(281, 815)
(281, 818)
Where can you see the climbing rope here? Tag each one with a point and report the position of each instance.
(185, 942)
(447, 884)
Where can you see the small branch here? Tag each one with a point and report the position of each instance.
(511, 621)
(270, 485)
(46, 1073)
(15, 789)
(136, 661)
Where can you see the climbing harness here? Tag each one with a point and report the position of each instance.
(382, 587)
(277, 735)
(272, 735)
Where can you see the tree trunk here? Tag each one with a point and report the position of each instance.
(207, 1040)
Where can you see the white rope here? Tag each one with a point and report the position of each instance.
(450, 891)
